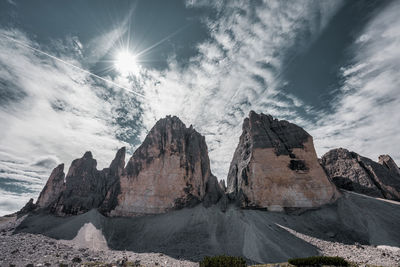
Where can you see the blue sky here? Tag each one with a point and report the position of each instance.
(330, 66)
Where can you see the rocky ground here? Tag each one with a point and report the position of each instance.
(24, 249)
(362, 255)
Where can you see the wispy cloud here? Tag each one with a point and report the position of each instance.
(51, 113)
(20, 180)
(51, 109)
(366, 115)
(236, 70)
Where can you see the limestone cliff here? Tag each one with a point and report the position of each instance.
(53, 188)
(275, 167)
(350, 171)
(170, 170)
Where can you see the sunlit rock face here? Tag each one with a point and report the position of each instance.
(350, 171)
(275, 166)
(169, 170)
(53, 188)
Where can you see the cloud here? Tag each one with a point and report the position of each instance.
(236, 70)
(366, 115)
(20, 180)
(51, 109)
(51, 113)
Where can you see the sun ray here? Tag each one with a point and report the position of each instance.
(126, 63)
(71, 65)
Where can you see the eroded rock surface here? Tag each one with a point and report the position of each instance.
(350, 171)
(275, 166)
(83, 188)
(170, 170)
(389, 163)
(53, 188)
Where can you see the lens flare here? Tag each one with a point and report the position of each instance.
(126, 63)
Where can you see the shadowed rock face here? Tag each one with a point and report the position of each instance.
(84, 187)
(350, 171)
(389, 163)
(275, 166)
(170, 170)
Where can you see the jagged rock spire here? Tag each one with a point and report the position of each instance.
(170, 170)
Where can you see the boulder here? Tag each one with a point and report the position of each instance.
(275, 166)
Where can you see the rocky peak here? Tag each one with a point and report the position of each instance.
(87, 155)
(222, 185)
(389, 163)
(118, 163)
(83, 188)
(275, 166)
(263, 131)
(112, 178)
(53, 188)
(350, 171)
(29, 206)
(171, 169)
(170, 136)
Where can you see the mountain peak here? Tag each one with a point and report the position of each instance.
(350, 171)
(88, 155)
(170, 170)
(267, 132)
(275, 166)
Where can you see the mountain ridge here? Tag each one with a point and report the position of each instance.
(274, 167)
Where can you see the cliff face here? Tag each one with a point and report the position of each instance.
(170, 170)
(388, 162)
(53, 188)
(350, 171)
(83, 188)
(275, 167)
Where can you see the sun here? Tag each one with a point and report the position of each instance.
(126, 63)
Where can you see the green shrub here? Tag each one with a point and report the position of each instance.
(223, 261)
(319, 261)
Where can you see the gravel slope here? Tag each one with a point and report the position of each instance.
(353, 227)
(22, 249)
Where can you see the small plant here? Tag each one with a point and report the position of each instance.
(319, 261)
(223, 261)
(76, 260)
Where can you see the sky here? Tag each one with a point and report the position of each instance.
(96, 75)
